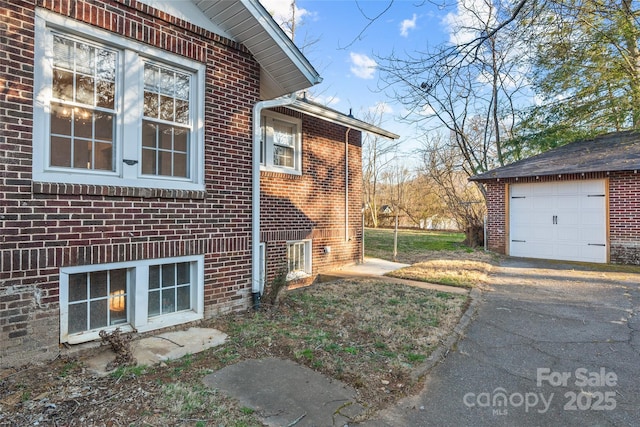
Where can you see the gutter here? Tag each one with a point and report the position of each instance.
(257, 285)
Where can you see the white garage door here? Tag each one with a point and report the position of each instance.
(558, 220)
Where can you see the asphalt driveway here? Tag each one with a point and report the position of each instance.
(550, 344)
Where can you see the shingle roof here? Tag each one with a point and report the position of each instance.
(617, 151)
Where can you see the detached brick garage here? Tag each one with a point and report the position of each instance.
(578, 202)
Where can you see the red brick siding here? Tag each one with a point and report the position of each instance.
(624, 217)
(312, 206)
(496, 221)
(47, 226)
(624, 212)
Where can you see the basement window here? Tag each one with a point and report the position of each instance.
(298, 259)
(142, 295)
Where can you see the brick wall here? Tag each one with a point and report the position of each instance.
(47, 226)
(624, 212)
(496, 221)
(624, 217)
(312, 205)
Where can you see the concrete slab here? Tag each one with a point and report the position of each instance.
(162, 347)
(284, 393)
(371, 267)
(377, 268)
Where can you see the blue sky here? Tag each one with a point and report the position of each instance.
(347, 43)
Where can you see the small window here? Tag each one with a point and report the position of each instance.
(298, 259)
(142, 295)
(281, 142)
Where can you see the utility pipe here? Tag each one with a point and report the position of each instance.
(346, 185)
(257, 285)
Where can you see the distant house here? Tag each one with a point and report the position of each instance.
(386, 210)
(157, 171)
(578, 202)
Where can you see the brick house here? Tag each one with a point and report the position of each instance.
(139, 146)
(578, 202)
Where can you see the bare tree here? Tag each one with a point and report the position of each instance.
(472, 93)
(441, 162)
(377, 155)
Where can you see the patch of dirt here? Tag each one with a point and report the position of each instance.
(369, 334)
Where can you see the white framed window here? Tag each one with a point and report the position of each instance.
(142, 295)
(112, 111)
(298, 259)
(281, 142)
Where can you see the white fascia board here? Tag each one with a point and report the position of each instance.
(339, 118)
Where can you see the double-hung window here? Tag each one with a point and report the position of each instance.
(298, 259)
(281, 143)
(142, 295)
(113, 111)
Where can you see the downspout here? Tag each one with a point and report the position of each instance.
(346, 185)
(256, 284)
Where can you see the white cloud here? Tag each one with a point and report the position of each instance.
(408, 24)
(324, 100)
(362, 66)
(470, 17)
(281, 12)
(381, 108)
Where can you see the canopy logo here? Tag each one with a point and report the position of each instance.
(592, 394)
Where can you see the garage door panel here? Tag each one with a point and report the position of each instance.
(568, 202)
(558, 220)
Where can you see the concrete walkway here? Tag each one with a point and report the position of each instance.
(377, 268)
(549, 346)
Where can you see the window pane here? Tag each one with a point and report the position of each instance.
(165, 163)
(182, 86)
(60, 120)
(82, 123)
(149, 131)
(180, 140)
(85, 58)
(118, 316)
(105, 93)
(103, 155)
(63, 52)
(77, 287)
(150, 104)
(166, 108)
(182, 112)
(118, 280)
(104, 126)
(148, 161)
(180, 165)
(60, 152)
(154, 303)
(183, 273)
(81, 154)
(98, 284)
(84, 89)
(166, 137)
(283, 156)
(98, 314)
(168, 275)
(63, 85)
(77, 317)
(168, 300)
(154, 277)
(184, 298)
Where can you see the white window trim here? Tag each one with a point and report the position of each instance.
(267, 146)
(308, 258)
(137, 292)
(128, 121)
